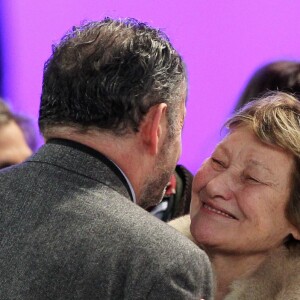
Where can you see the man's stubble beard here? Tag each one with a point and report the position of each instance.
(155, 185)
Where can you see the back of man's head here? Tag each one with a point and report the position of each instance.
(106, 75)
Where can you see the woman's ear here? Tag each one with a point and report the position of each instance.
(152, 128)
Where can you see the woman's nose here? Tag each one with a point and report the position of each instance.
(220, 186)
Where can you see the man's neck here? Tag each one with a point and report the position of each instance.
(123, 151)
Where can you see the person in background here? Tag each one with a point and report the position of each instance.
(72, 219)
(281, 76)
(16, 137)
(245, 209)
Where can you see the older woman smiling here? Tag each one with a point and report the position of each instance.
(245, 209)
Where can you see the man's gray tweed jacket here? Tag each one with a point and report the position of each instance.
(69, 230)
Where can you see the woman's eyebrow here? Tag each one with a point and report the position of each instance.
(222, 147)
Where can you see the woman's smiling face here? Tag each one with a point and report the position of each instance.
(239, 196)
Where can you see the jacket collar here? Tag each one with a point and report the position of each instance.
(83, 160)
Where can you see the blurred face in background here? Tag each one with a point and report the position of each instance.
(13, 146)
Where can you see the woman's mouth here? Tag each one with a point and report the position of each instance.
(218, 211)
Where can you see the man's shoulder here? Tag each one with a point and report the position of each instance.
(130, 226)
(157, 237)
(174, 260)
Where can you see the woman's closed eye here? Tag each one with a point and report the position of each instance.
(253, 179)
(218, 163)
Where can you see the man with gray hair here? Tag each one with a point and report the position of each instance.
(72, 219)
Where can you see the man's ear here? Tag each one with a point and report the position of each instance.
(153, 127)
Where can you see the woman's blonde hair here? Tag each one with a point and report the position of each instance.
(275, 119)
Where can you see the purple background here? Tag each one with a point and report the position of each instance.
(222, 42)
